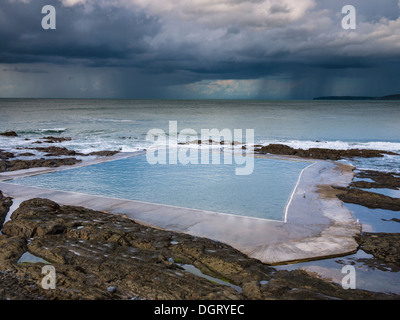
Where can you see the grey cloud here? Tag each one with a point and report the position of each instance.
(277, 8)
(98, 34)
(144, 48)
(24, 70)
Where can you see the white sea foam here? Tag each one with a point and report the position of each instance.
(111, 120)
(53, 130)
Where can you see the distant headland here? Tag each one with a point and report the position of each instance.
(389, 97)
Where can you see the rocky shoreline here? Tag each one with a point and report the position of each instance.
(98, 255)
(320, 153)
(368, 199)
(52, 156)
(383, 246)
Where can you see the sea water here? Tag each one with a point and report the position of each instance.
(123, 124)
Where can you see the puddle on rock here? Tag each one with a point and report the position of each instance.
(28, 257)
(192, 269)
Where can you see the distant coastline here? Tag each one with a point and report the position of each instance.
(389, 97)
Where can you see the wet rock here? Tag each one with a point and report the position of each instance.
(252, 290)
(11, 284)
(276, 149)
(393, 219)
(384, 246)
(368, 199)
(320, 153)
(56, 151)
(389, 180)
(5, 204)
(51, 139)
(210, 142)
(62, 151)
(9, 134)
(199, 142)
(111, 289)
(11, 249)
(26, 154)
(6, 155)
(19, 284)
(3, 165)
(18, 164)
(104, 153)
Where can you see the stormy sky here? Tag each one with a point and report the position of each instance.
(199, 49)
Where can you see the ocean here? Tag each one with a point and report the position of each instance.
(123, 125)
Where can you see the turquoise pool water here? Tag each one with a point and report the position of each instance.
(212, 187)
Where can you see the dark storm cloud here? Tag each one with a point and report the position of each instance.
(132, 48)
(24, 70)
(97, 34)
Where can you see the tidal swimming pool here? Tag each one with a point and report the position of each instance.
(212, 187)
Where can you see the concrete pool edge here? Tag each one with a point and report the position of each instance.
(324, 228)
(316, 227)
